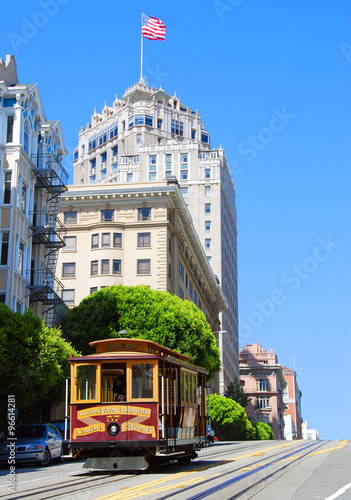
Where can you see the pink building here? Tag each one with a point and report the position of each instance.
(263, 380)
(292, 400)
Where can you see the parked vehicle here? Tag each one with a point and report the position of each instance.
(34, 443)
(60, 425)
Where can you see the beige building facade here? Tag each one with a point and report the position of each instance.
(138, 234)
(32, 180)
(149, 136)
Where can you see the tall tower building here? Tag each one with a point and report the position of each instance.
(149, 136)
(32, 180)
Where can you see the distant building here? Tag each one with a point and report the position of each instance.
(309, 433)
(292, 400)
(135, 234)
(263, 381)
(32, 180)
(147, 137)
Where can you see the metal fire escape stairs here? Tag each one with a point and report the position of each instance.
(47, 230)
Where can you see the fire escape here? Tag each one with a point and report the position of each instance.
(47, 230)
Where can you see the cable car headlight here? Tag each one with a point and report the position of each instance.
(113, 428)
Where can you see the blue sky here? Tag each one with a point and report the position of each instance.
(272, 83)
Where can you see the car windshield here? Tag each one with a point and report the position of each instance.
(31, 431)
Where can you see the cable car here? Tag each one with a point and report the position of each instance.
(135, 403)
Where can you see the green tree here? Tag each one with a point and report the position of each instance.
(33, 363)
(146, 314)
(235, 391)
(263, 431)
(229, 419)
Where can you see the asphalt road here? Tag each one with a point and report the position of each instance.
(261, 470)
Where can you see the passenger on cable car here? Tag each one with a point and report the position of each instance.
(119, 388)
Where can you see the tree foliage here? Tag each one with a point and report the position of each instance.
(146, 314)
(230, 422)
(33, 362)
(263, 431)
(235, 391)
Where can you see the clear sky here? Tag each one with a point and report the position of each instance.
(272, 83)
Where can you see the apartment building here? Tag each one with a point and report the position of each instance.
(149, 136)
(138, 234)
(292, 401)
(262, 378)
(32, 179)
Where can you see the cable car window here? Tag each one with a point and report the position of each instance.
(86, 382)
(114, 387)
(142, 381)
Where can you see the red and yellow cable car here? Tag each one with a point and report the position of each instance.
(134, 404)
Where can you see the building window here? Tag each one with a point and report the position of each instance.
(207, 190)
(103, 157)
(181, 270)
(262, 403)
(144, 214)
(184, 191)
(70, 218)
(184, 175)
(130, 177)
(24, 198)
(114, 151)
(70, 242)
(106, 215)
(138, 138)
(116, 266)
(4, 248)
(181, 293)
(93, 289)
(207, 173)
(117, 240)
(262, 385)
(68, 270)
(75, 154)
(105, 240)
(9, 128)
(92, 166)
(190, 288)
(208, 243)
(195, 298)
(159, 123)
(92, 179)
(94, 241)
(7, 188)
(68, 297)
(176, 127)
(207, 208)
(2, 298)
(20, 257)
(143, 266)
(209, 260)
(94, 268)
(144, 240)
(207, 225)
(105, 266)
(168, 162)
(205, 138)
(184, 160)
(193, 133)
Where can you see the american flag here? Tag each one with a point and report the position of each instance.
(153, 28)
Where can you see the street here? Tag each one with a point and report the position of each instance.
(274, 470)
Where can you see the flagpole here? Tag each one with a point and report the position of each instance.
(141, 52)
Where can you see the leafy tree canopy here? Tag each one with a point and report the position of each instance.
(230, 422)
(146, 314)
(33, 362)
(235, 391)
